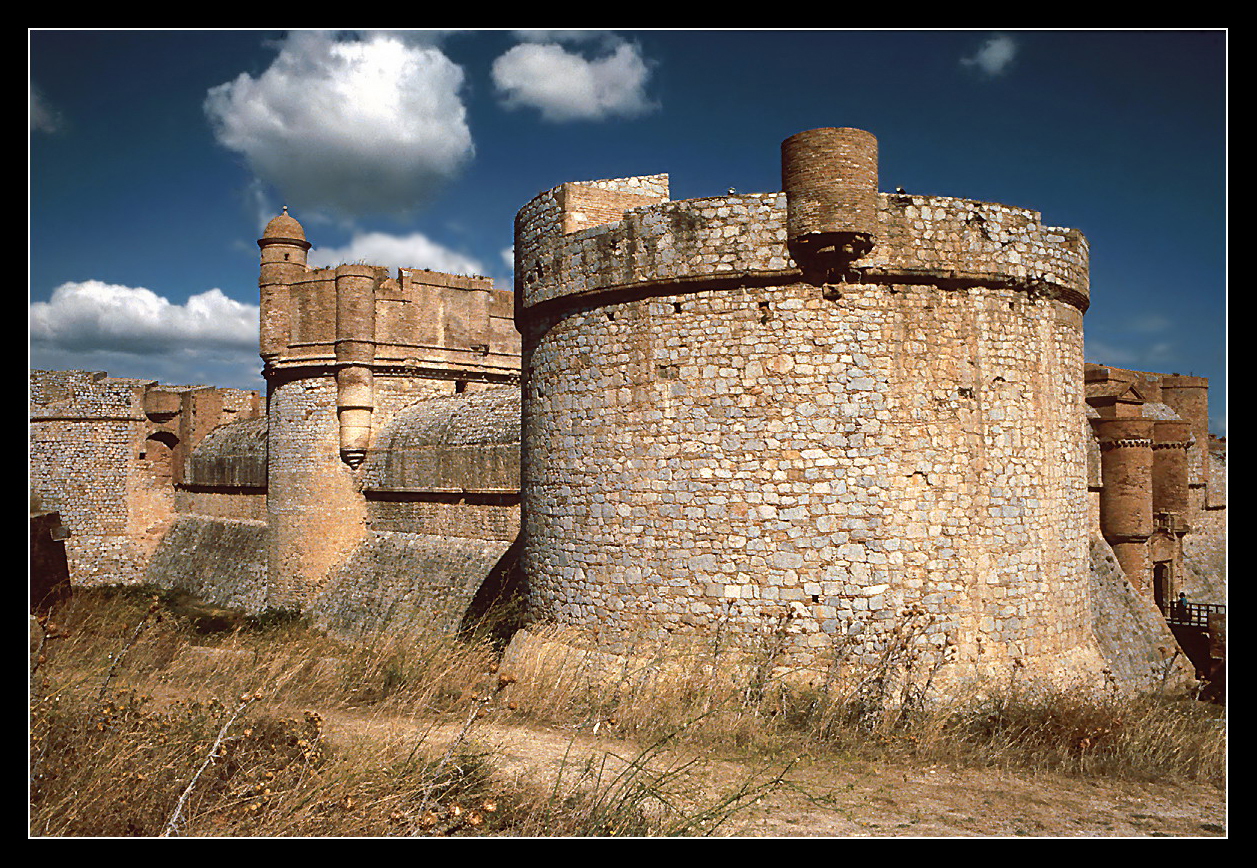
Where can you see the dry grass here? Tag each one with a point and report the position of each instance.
(128, 701)
(889, 709)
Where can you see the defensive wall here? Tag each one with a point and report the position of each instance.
(821, 408)
(107, 452)
(378, 489)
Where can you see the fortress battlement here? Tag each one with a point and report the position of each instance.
(586, 238)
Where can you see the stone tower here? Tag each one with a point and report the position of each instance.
(343, 349)
(827, 401)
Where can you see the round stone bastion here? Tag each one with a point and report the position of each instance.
(723, 444)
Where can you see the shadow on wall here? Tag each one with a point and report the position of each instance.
(497, 609)
(399, 582)
(49, 569)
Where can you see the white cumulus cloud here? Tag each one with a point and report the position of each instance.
(355, 126)
(92, 315)
(396, 251)
(564, 85)
(994, 56)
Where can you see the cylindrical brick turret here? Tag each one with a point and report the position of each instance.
(1189, 398)
(1126, 499)
(829, 176)
(355, 352)
(1170, 441)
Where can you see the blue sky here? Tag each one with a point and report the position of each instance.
(156, 157)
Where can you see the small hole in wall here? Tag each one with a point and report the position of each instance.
(816, 598)
(676, 307)
(285, 257)
(460, 386)
(610, 316)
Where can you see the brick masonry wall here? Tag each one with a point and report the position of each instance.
(105, 451)
(86, 435)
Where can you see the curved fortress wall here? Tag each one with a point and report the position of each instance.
(713, 431)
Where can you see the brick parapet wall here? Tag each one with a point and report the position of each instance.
(418, 322)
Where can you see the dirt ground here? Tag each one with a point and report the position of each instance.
(861, 799)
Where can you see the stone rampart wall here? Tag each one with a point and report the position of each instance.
(767, 447)
(222, 561)
(745, 235)
(401, 582)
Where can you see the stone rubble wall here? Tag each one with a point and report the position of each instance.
(765, 448)
(745, 235)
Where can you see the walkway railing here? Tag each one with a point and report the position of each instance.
(1191, 614)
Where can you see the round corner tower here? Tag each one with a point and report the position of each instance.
(712, 437)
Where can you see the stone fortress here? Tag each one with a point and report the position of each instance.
(819, 407)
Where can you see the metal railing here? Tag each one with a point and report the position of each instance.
(1190, 614)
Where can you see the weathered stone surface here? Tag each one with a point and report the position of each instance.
(732, 409)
